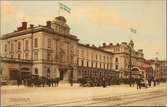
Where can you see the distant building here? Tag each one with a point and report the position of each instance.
(163, 69)
(121, 59)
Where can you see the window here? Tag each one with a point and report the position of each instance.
(116, 67)
(92, 55)
(96, 56)
(116, 59)
(26, 56)
(26, 47)
(49, 43)
(48, 71)
(48, 56)
(36, 43)
(87, 54)
(36, 71)
(104, 58)
(92, 63)
(18, 56)
(100, 57)
(6, 48)
(11, 56)
(12, 47)
(19, 45)
(82, 63)
(35, 55)
(107, 58)
(82, 53)
(87, 63)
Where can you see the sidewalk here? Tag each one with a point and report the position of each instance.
(22, 86)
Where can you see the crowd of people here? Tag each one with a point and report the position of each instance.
(97, 81)
(37, 81)
(140, 82)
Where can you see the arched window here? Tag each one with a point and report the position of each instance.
(48, 71)
(116, 59)
(36, 71)
(116, 67)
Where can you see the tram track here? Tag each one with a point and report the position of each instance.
(95, 100)
(106, 98)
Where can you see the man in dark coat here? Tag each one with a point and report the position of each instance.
(138, 81)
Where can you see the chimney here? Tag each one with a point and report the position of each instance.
(48, 24)
(140, 50)
(117, 44)
(104, 44)
(87, 45)
(31, 26)
(20, 28)
(125, 43)
(24, 25)
(93, 45)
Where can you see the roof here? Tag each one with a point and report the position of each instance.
(34, 30)
(95, 48)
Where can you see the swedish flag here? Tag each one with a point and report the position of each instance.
(64, 7)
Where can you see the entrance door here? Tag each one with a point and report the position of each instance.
(25, 75)
(13, 74)
(61, 74)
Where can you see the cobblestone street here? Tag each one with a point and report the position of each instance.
(64, 95)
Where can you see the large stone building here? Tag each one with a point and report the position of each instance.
(51, 51)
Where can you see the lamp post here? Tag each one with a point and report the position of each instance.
(130, 62)
(131, 44)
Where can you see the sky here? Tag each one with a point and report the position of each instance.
(96, 22)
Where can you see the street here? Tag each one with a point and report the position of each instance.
(64, 95)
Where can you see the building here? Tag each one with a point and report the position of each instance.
(163, 69)
(53, 52)
(95, 62)
(49, 51)
(123, 55)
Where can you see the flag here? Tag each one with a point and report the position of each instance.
(64, 7)
(133, 30)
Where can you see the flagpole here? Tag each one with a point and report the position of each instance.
(59, 10)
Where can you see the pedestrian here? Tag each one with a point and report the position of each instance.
(154, 81)
(18, 82)
(103, 82)
(149, 82)
(138, 82)
(71, 82)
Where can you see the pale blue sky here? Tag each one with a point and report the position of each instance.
(96, 22)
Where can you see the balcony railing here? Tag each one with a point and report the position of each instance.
(17, 60)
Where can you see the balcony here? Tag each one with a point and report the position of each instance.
(15, 60)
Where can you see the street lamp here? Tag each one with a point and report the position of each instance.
(130, 61)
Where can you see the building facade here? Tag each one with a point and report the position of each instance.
(163, 70)
(51, 51)
(124, 54)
